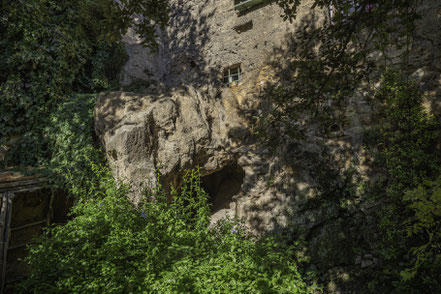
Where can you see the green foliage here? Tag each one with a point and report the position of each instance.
(161, 247)
(408, 135)
(328, 61)
(102, 72)
(73, 150)
(425, 225)
(52, 50)
(407, 141)
(41, 58)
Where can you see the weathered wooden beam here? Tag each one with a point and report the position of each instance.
(16, 176)
(5, 186)
(6, 213)
(21, 245)
(17, 182)
(28, 225)
(23, 189)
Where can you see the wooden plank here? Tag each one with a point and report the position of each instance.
(28, 225)
(17, 182)
(21, 245)
(3, 214)
(5, 185)
(16, 176)
(6, 202)
(2, 227)
(23, 189)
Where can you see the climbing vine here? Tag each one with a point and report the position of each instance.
(406, 148)
(52, 53)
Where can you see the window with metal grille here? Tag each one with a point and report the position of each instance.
(347, 7)
(242, 5)
(232, 75)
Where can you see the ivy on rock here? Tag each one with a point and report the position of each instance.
(51, 51)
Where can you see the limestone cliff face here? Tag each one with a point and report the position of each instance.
(168, 132)
(197, 120)
(185, 116)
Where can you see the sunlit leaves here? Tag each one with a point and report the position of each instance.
(160, 247)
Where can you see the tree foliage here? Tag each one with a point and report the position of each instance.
(407, 150)
(408, 135)
(330, 59)
(51, 50)
(425, 225)
(329, 63)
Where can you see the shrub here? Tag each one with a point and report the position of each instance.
(425, 225)
(408, 136)
(160, 247)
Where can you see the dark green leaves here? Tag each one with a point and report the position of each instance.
(327, 61)
(51, 51)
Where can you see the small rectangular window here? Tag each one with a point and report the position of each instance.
(242, 5)
(232, 75)
(347, 8)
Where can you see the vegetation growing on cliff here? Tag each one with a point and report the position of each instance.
(406, 148)
(52, 52)
(161, 247)
(330, 63)
(53, 63)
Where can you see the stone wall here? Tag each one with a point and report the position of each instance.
(204, 37)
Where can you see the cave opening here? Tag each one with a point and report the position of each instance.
(222, 185)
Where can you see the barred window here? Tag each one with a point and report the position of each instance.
(347, 7)
(242, 5)
(232, 75)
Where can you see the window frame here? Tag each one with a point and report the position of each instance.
(352, 8)
(228, 76)
(242, 5)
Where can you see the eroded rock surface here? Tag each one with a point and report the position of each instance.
(168, 132)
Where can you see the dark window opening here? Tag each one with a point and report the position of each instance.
(244, 27)
(223, 185)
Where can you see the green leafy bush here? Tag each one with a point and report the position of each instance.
(71, 142)
(407, 142)
(160, 247)
(425, 225)
(53, 50)
(408, 135)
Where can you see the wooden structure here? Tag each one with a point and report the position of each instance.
(26, 206)
(5, 220)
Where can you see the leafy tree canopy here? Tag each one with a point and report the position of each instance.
(52, 50)
(330, 59)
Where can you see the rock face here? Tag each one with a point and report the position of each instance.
(169, 133)
(186, 117)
